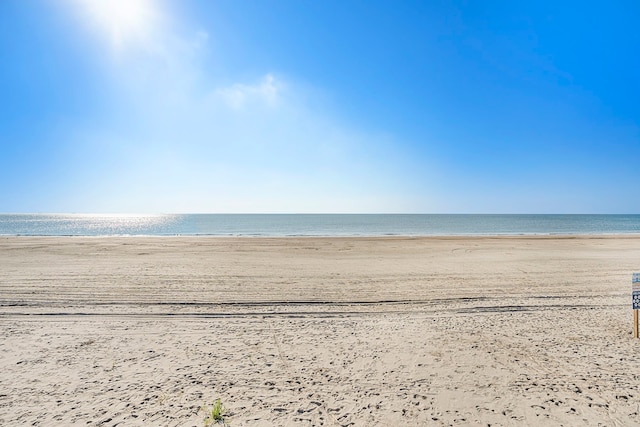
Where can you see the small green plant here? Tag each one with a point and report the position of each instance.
(215, 414)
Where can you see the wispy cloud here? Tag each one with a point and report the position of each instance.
(239, 94)
(193, 144)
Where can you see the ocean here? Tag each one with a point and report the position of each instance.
(269, 225)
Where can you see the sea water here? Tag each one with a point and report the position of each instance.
(313, 224)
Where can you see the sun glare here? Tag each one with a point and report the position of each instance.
(121, 21)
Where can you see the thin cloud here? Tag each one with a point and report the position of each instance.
(196, 145)
(239, 94)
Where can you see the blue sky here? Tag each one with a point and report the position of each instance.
(334, 106)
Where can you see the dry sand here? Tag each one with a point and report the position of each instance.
(319, 331)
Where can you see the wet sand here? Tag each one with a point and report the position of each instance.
(319, 331)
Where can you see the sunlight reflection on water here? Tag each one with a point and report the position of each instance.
(87, 224)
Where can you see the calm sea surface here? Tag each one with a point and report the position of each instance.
(312, 225)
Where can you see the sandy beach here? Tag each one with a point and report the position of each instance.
(499, 331)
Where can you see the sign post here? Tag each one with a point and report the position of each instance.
(635, 295)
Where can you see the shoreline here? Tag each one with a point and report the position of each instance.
(323, 236)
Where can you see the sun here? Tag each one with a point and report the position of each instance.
(121, 21)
